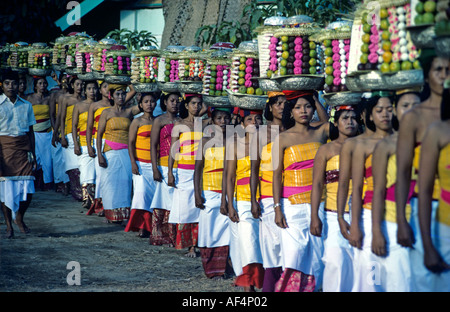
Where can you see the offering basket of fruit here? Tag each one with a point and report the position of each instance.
(101, 51)
(19, 57)
(382, 53)
(268, 59)
(84, 57)
(71, 50)
(296, 56)
(59, 53)
(118, 65)
(216, 80)
(442, 29)
(191, 69)
(424, 15)
(168, 72)
(39, 60)
(144, 69)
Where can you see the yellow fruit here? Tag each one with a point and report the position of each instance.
(329, 61)
(385, 68)
(242, 67)
(385, 35)
(387, 57)
(250, 90)
(284, 38)
(366, 38)
(386, 45)
(383, 13)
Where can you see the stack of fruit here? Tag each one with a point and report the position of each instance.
(19, 56)
(335, 44)
(425, 12)
(144, 68)
(387, 46)
(118, 61)
(217, 74)
(245, 67)
(59, 52)
(40, 58)
(267, 44)
(442, 18)
(168, 67)
(191, 64)
(101, 50)
(84, 57)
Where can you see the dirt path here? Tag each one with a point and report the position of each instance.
(109, 258)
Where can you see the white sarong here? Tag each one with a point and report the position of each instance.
(87, 167)
(300, 250)
(116, 180)
(213, 227)
(70, 159)
(269, 235)
(13, 191)
(163, 196)
(59, 166)
(43, 153)
(247, 239)
(337, 256)
(143, 187)
(97, 169)
(183, 205)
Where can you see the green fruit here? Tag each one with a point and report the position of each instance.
(242, 89)
(241, 74)
(429, 6)
(285, 47)
(283, 71)
(418, 20)
(385, 68)
(259, 91)
(312, 45)
(224, 93)
(327, 43)
(213, 67)
(269, 73)
(218, 93)
(416, 64)
(329, 80)
(365, 48)
(212, 80)
(242, 60)
(312, 53)
(395, 67)
(419, 7)
(283, 62)
(329, 51)
(366, 28)
(211, 92)
(428, 18)
(312, 62)
(312, 70)
(406, 65)
(364, 58)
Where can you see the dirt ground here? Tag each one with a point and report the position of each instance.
(110, 259)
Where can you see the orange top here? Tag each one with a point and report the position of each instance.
(443, 213)
(116, 133)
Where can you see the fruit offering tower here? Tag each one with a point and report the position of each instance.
(245, 67)
(216, 80)
(40, 58)
(144, 68)
(71, 48)
(168, 66)
(101, 50)
(335, 53)
(425, 12)
(84, 57)
(19, 56)
(59, 52)
(386, 46)
(268, 60)
(118, 61)
(191, 65)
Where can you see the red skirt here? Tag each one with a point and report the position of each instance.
(214, 260)
(163, 232)
(187, 235)
(252, 275)
(295, 281)
(139, 219)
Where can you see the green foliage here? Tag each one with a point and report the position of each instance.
(133, 40)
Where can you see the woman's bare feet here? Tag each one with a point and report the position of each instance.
(191, 253)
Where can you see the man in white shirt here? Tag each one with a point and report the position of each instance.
(17, 157)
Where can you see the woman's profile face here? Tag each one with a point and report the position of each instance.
(278, 106)
(405, 103)
(439, 71)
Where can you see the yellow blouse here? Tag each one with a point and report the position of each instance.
(266, 171)
(69, 112)
(443, 213)
(368, 194)
(42, 116)
(416, 160)
(243, 170)
(116, 133)
(143, 144)
(82, 125)
(189, 142)
(298, 172)
(332, 183)
(213, 169)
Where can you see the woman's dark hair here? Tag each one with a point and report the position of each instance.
(215, 112)
(163, 99)
(267, 113)
(445, 104)
(182, 110)
(286, 120)
(144, 94)
(70, 81)
(334, 131)
(395, 99)
(368, 104)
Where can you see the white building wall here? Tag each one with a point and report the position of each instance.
(144, 19)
